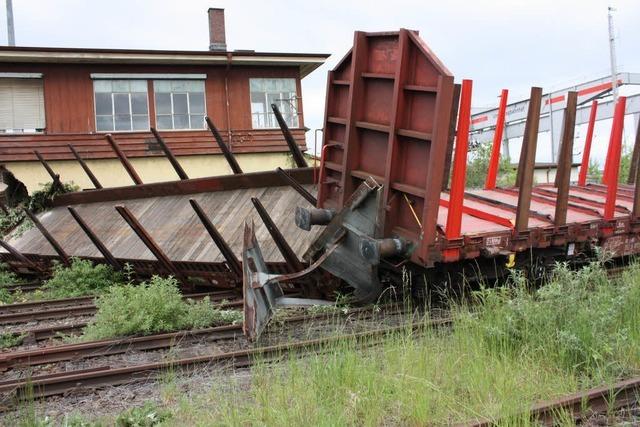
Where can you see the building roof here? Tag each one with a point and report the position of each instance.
(307, 62)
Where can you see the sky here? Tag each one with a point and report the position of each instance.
(513, 44)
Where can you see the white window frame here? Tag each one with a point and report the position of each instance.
(113, 108)
(173, 123)
(268, 116)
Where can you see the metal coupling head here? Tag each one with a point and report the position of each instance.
(373, 250)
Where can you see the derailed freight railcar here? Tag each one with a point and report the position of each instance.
(392, 116)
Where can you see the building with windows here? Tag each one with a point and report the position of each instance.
(53, 97)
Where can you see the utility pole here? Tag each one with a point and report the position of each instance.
(612, 51)
(11, 34)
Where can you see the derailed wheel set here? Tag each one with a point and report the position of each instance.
(384, 206)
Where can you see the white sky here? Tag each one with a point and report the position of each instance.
(512, 44)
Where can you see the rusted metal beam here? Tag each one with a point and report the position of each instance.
(191, 186)
(151, 244)
(172, 159)
(56, 246)
(23, 259)
(231, 159)
(123, 159)
(288, 254)
(453, 120)
(527, 159)
(563, 174)
(297, 186)
(635, 158)
(85, 167)
(494, 161)
(298, 158)
(94, 239)
(232, 261)
(586, 153)
(54, 176)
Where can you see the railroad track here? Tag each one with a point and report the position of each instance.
(580, 406)
(74, 307)
(20, 359)
(59, 383)
(24, 287)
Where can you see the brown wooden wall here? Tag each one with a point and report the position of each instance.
(69, 114)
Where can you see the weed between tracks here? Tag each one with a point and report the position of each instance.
(152, 307)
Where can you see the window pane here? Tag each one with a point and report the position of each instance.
(256, 85)
(163, 103)
(138, 86)
(180, 103)
(162, 86)
(196, 103)
(123, 122)
(180, 86)
(102, 85)
(139, 103)
(103, 104)
(197, 122)
(164, 122)
(181, 121)
(121, 103)
(104, 123)
(120, 85)
(140, 122)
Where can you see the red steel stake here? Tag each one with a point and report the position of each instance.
(584, 167)
(456, 194)
(490, 183)
(615, 149)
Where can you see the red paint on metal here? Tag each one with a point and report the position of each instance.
(480, 119)
(615, 148)
(584, 167)
(597, 88)
(490, 183)
(554, 100)
(505, 222)
(456, 198)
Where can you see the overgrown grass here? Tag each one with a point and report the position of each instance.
(152, 307)
(516, 347)
(82, 278)
(513, 347)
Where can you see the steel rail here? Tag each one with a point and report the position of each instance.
(34, 357)
(61, 383)
(579, 406)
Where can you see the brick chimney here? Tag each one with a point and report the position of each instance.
(217, 37)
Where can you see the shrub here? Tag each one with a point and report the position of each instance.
(80, 279)
(11, 339)
(41, 200)
(149, 308)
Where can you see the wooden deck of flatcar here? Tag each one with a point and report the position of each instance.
(173, 224)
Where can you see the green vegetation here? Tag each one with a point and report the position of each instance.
(153, 307)
(478, 165)
(40, 200)
(80, 279)
(8, 278)
(8, 340)
(515, 346)
(148, 415)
